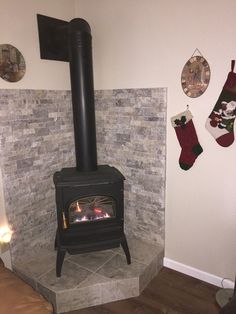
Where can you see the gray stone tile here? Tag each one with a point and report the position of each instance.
(94, 279)
(71, 276)
(119, 290)
(141, 251)
(26, 277)
(49, 294)
(148, 274)
(92, 261)
(78, 298)
(36, 265)
(117, 268)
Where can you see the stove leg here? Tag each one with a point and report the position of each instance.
(60, 259)
(55, 243)
(125, 247)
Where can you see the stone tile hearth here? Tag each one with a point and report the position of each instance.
(92, 278)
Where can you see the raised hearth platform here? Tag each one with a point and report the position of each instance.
(93, 278)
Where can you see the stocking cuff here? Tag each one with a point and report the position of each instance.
(181, 119)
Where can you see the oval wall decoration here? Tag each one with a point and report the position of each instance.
(195, 76)
(12, 63)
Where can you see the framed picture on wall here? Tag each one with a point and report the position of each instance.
(12, 63)
(195, 76)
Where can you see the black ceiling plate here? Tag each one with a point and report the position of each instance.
(53, 39)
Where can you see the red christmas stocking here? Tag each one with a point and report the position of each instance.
(220, 122)
(187, 138)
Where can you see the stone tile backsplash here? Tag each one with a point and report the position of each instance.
(131, 135)
(36, 139)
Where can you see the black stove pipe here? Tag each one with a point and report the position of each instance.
(82, 89)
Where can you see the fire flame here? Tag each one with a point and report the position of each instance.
(78, 209)
(97, 210)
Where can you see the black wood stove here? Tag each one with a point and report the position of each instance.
(90, 211)
(89, 198)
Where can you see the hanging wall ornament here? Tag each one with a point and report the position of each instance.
(195, 75)
(12, 63)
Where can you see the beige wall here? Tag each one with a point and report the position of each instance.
(146, 44)
(18, 25)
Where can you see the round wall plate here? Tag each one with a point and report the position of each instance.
(195, 76)
(12, 63)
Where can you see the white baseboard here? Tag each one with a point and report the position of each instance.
(197, 273)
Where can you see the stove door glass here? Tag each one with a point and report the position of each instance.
(92, 208)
